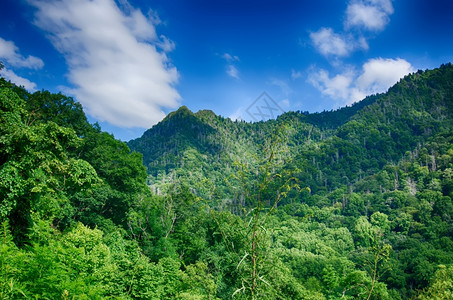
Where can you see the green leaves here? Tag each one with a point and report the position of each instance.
(230, 215)
(37, 171)
(10, 285)
(441, 286)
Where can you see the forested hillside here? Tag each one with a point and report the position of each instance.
(348, 204)
(331, 149)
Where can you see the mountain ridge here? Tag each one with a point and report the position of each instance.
(355, 205)
(381, 128)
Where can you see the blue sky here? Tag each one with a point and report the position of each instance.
(130, 62)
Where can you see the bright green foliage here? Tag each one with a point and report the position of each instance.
(10, 257)
(220, 214)
(44, 106)
(199, 282)
(37, 171)
(441, 286)
(123, 175)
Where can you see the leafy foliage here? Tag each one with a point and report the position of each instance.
(348, 204)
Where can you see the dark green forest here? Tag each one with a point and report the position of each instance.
(354, 203)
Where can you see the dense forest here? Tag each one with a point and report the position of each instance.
(354, 203)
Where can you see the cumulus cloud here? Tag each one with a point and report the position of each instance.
(337, 87)
(328, 42)
(118, 74)
(376, 76)
(369, 14)
(379, 74)
(10, 53)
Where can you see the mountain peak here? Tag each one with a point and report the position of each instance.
(181, 112)
(183, 109)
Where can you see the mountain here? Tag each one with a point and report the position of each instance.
(375, 179)
(355, 203)
(331, 148)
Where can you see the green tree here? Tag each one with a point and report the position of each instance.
(37, 169)
(441, 285)
(123, 175)
(43, 106)
(263, 188)
(373, 253)
(198, 283)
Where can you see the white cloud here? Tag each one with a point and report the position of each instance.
(377, 76)
(230, 58)
(232, 71)
(119, 75)
(20, 81)
(166, 45)
(328, 42)
(10, 53)
(295, 74)
(338, 87)
(370, 14)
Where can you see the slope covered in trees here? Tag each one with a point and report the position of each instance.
(347, 204)
(331, 148)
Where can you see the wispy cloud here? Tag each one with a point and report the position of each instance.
(376, 76)
(231, 68)
(166, 44)
(282, 84)
(20, 81)
(237, 115)
(232, 71)
(295, 74)
(230, 58)
(10, 55)
(285, 103)
(118, 74)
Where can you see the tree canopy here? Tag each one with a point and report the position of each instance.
(348, 204)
